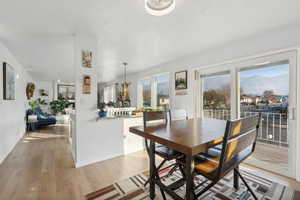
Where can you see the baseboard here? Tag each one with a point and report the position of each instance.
(12, 148)
(83, 163)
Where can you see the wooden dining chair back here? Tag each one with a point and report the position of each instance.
(155, 117)
(239, 143)
(177, 114)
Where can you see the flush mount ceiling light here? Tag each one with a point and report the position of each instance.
(159, 7)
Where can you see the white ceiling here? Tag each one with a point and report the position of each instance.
(39, 32)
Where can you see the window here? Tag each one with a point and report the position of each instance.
(109, 94)
(146, 92)
(216, 95)
(154, 91)
(162, 97)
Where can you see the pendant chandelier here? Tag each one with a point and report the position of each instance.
(159, 7)
(125, 86)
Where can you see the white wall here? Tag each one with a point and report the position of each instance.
(274, 40)
(46, 85)
(95, 141)
(12, 122)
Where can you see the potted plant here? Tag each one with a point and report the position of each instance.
(101, 107)
(33, 105)
(111, 104)
(58, 106)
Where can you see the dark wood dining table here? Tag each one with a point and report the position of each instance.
(189, 137)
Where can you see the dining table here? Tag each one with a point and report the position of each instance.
(189, 137)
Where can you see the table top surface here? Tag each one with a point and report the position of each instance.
(186, 136)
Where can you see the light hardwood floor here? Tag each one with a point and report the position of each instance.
(40, 168)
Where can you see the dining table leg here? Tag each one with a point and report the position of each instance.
(236, 182)
(189, 167)
(152, 169)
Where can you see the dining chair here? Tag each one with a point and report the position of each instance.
(167, 154)
(177, 114)
(239, 143)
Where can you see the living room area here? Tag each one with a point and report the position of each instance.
(149, 99)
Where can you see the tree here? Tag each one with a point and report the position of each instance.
(217, 98)
(268, 96)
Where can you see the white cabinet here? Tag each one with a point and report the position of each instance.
(132, 142)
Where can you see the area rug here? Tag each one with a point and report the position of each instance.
(133, 188)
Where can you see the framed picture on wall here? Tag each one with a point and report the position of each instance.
(9, 82)
(181, 80)
(66, 92)
(87, 59)
(86, 84)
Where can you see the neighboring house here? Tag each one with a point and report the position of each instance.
(249, 99)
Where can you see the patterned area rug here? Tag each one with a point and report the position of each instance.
(132, 188)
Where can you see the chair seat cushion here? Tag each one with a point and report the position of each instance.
(218, 147)
(166, 152)
(211, 153)
(207, 166)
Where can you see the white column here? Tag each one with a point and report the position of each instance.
(235, 94)
(86, 104)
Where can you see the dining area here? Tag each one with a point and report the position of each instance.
(196, 154)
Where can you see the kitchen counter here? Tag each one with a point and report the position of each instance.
(119, 117)
(110, 138)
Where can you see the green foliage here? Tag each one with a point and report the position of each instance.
(218, 99)
(101, 106)
(42, 101)
(36, 103)
(33, 105)
(111, 104)
(58, 106)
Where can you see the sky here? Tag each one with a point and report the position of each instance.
(255, 81)
(272, 71)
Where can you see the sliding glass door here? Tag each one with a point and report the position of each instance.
(265, 90)
(265, 86)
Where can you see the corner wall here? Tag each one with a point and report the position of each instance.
(12, 120)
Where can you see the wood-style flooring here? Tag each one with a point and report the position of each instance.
(41, 168)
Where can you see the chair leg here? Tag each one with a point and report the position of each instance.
(163, 194)
(246, 184)
(182, 171)
(205, 189)
(157, 168)
(172, 170)
(147, 182)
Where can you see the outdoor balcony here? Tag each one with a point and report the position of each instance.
(271, 151)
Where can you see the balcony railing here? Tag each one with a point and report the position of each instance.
(273, 126)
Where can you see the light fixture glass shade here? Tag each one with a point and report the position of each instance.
(159, 7)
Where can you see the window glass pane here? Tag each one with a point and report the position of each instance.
(162, 98)
(109, 94)
(264, 90)
(216, 96)
(146, 92)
